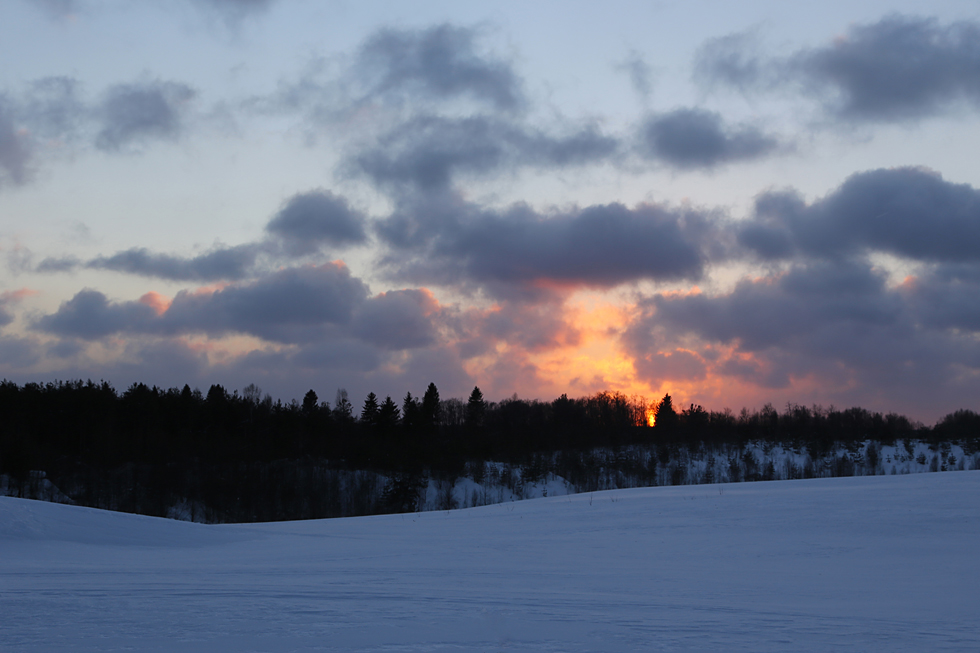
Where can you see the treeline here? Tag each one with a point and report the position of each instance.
(246, 457)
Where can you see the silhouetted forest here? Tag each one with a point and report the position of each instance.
(244, 457)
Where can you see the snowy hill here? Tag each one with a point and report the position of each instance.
(884, 563)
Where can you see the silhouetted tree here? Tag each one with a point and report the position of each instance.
(388, 415)
(666, 417)
(410, 412)
(343, 411)
(310, 402)
(369, 413)
(430, 413)
(476, 409)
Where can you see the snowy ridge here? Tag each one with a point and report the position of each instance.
(636, 466)
(844, 564)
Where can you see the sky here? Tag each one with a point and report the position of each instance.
(734, 203)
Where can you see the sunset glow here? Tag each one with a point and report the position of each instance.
(527, 199)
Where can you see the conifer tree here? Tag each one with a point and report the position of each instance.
(410, 412)
(388, 415)
(430, 414)
(369, 414)
(666, 416)
(476, 408)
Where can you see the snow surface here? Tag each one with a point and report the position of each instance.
(886, 563)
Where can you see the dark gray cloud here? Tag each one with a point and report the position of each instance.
(899, 68)
(909, 212)
(945, 296)
(782, 309)
(695, 138)
(835, 325)
(428, 152)
(522, 250)
(441, 62)
(90, 315)
(308, 220)
(18, 353)
(223, 263)
(15, 150)
(6, 317)
(58, 264)
(132, 114)
(398, 319)
(290, 305)
(342, 354)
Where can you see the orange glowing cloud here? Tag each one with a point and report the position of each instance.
(156, 301)
(17, 295)
(589, 362)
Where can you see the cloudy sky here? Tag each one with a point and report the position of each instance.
(736, 203)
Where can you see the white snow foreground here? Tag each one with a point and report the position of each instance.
(847, 564)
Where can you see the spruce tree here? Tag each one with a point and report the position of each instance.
(369, 414)
(430, 414)
(476, 408)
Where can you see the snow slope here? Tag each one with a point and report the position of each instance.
(848, 564)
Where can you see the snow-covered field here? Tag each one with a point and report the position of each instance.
(885, 563)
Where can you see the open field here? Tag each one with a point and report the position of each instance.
(870, 563)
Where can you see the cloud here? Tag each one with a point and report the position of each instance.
(695, 138)
(944, 296)
(909, 212)
(52, 108)
(521, 326)
(440, 62)
(222, 263)
(773, 311)
(132, 114)
(8, 299)
(89, 315)
(15, 148)
(677, 364)
(835, 330)
(520, 250)
(57, 9)
(735, 60)
(18, 353)
(398, 319)
(58, 264)
(640, 73)
(290, 305)
(236, 8)
(428, 152)
(308, 220)
(898, 69)
(50, 113)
